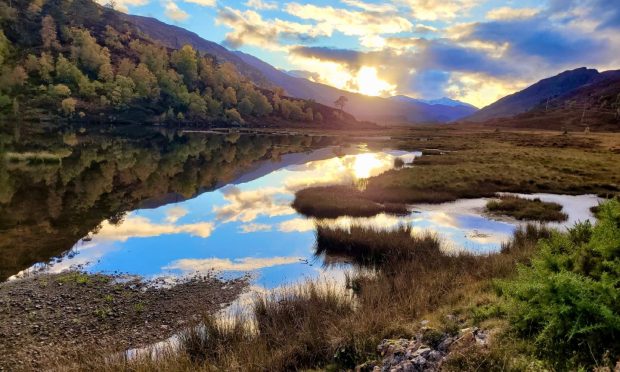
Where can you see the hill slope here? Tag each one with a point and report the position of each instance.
(265, 75)
(76, 61)
(362, 106)
(595, 105)
(535, 94)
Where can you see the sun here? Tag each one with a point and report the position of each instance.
(370, 84)
(365, 165)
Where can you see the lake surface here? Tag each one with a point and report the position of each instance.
(202, 203)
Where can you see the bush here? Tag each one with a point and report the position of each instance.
(569, 297)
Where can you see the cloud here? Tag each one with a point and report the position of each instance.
(377, 8)
(254, 227)
(296, 225)
(348, 22)
(507, 13)
(142, 227)
(224, 264)
(246, 206)
(209, 3)
(175, 13)
(173, 214)
(260, 4)
(433, 10)
(249, 28)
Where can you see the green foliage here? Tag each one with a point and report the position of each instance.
(569, 297)
(77, 49)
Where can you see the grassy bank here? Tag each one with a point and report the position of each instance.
(480, 164)
(526, 209)
(547, 301)
(313, 326)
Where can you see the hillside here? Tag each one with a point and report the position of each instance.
(534, 95)
(595, 106)
(363, 107)
(76, 61)
(263, 74)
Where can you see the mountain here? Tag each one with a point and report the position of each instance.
(594, 105)
(77, 61)
(444, 101)
(175, 37)
(361, 106)
(297, 85)
(534, 95)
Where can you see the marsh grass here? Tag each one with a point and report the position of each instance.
(399, 163)
(526, 209)
(336, 201)
(321, 326)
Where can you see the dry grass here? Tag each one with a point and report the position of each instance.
(526, 209)
(312, 326)
(335, 201)
(480, 164)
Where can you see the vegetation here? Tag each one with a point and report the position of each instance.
(316, 202)
(567, 299)
(482, 163)
(84, 179)
(526, 209)
(558, 288)
(78, 61)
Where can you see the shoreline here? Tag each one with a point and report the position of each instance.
(50, 318)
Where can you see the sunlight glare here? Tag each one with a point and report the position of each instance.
(368, 82)
(365, 164)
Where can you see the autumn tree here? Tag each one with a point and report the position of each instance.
(229, 98)
(87, 53)
(186, 63)
(49, 33)
(245, 107)
(146, 82)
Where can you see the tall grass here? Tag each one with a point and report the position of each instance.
(315, 326)
(526, 209)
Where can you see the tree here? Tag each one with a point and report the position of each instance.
(146, 82)
(68, 106)
(234, 116)
(46, 67)
(229, 98)
(85, 50)
(318, 117)
(186, 64)
(260, 103)
(341, 102)
(49, 33)
(125, 67)
(60, 90)
(246, 107)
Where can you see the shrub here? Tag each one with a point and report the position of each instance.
(569, 297)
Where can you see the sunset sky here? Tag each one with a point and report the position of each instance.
(472, 50)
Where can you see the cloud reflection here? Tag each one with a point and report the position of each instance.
(225, 264)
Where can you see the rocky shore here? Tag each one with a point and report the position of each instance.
(426, 352)
(50, 318)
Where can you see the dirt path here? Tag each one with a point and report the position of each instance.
(49, 317)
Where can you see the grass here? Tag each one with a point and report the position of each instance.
(399, 163)
(335, 201)
(321, 326)
(526, 209)
(481, 163)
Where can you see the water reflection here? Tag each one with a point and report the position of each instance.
(248, 225)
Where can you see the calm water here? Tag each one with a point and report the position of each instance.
(236, 218)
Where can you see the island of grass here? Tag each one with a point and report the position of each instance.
(526, 209)
(336, 201)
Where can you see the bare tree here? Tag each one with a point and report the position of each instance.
(341, 102)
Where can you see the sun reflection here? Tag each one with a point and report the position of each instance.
(365, 165)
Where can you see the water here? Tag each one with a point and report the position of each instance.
(178, 205)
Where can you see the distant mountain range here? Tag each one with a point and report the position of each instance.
(398, 109)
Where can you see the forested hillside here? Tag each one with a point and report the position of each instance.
(74, 60)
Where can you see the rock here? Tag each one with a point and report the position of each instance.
(445, 344)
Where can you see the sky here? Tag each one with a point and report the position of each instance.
(476, 51)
